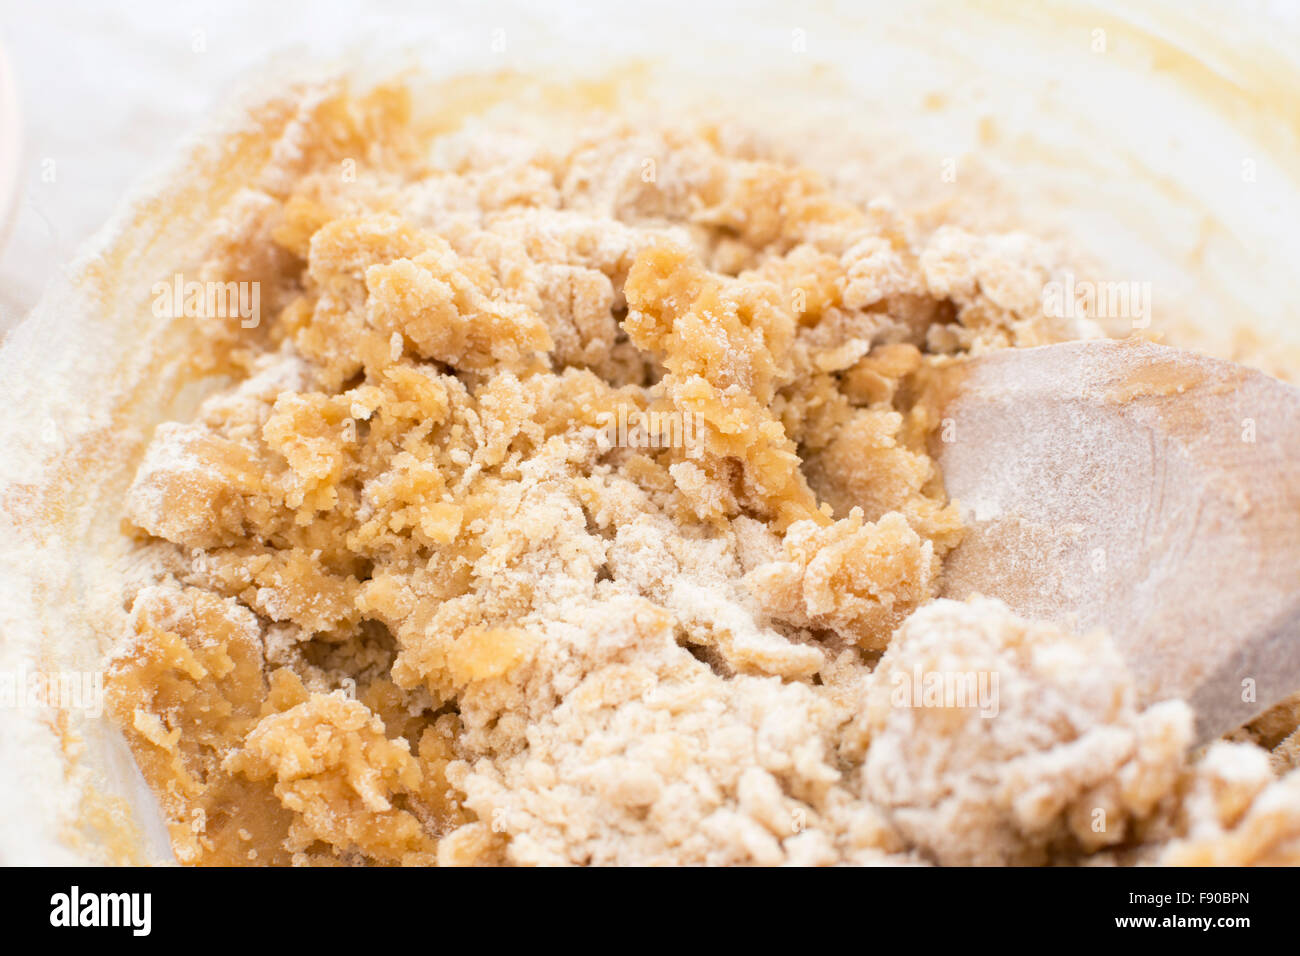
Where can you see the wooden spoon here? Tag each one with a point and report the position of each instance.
(1144, 489)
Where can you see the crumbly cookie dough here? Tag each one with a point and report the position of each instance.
(402, 596)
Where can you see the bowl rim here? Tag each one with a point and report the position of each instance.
(11, 146)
